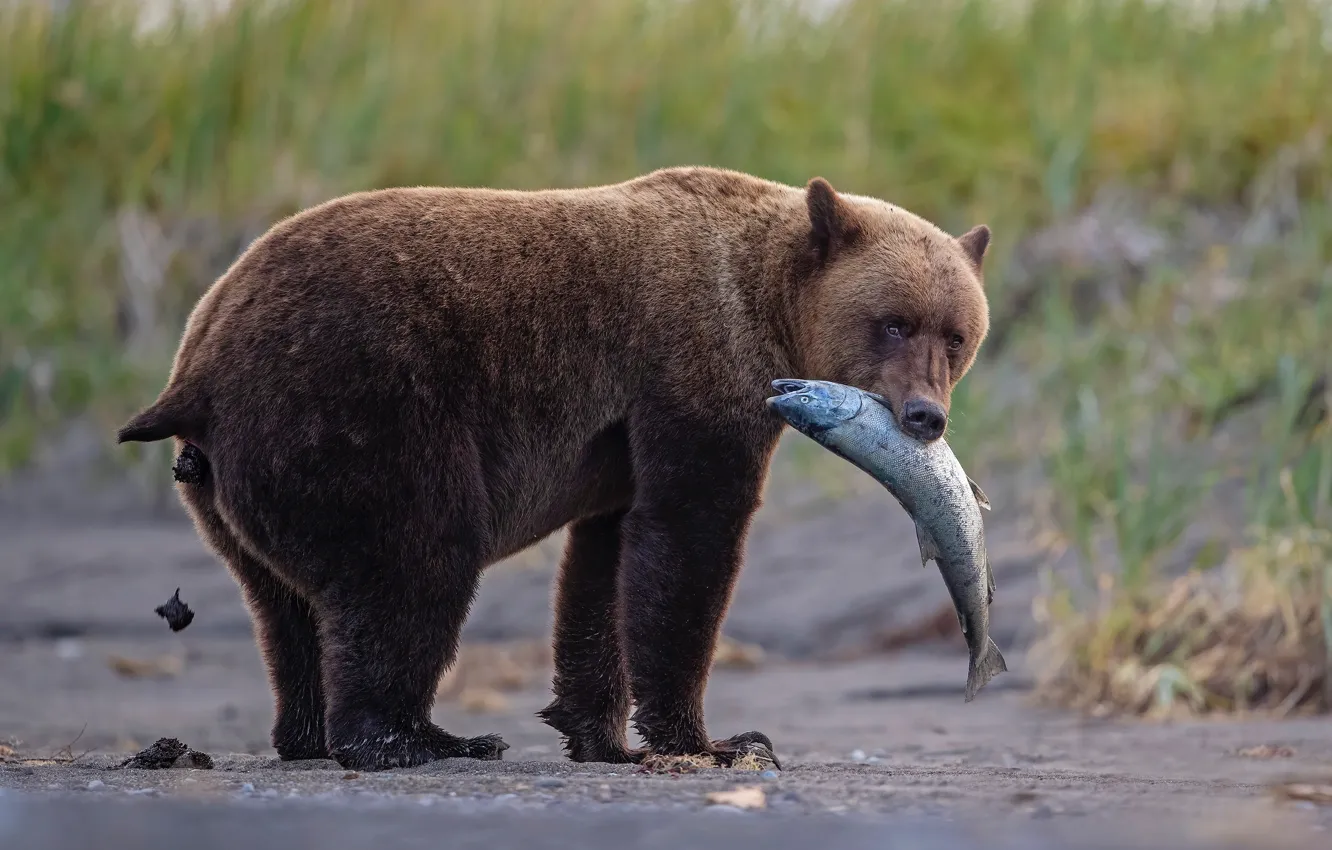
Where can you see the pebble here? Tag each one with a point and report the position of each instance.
(247, 788)
(68, 649)
(143, 792)
(873, 760)
(768, 774)
(857, 755)
(96, 785)
(504, 798)
(549, 782)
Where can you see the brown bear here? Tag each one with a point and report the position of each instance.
(392, 390)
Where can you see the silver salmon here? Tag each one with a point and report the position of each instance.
(927, 481)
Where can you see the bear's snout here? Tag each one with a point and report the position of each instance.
(924, 419)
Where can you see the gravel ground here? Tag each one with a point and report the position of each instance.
(879, 750)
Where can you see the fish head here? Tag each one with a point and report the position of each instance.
(813, 407)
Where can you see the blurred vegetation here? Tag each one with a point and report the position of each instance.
(1157, 177)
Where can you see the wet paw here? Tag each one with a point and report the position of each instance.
(588, 736)
(408, 749)
(300, 745)
(603, 752)
(737, 747)
(286, 753)
(483, 747)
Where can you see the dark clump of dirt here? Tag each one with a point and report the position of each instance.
(177, 614)
(191, 466)
(165, 753)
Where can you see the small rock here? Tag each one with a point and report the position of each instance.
(504, 798)
(857, 755)
(163, 753)
(142, 792)
(549, 782)
(1042, 812)
(247, 788)
(873, 760)
(768, 774)
(96, 785)
(68, 649)
(195, 760)
(268, 792)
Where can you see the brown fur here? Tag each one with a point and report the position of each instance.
(397, 388)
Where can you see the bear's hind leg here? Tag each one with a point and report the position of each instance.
(388, 631)
(285, 630)
(591, 705)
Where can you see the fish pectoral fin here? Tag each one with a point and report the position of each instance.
(928, 548)
(981, 498)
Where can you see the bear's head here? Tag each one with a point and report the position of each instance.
(894, 305)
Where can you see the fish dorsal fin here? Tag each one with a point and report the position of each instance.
(981, 498)
(928, 548)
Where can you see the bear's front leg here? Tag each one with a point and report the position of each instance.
(683, 542)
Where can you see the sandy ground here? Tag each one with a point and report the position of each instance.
(879, 749)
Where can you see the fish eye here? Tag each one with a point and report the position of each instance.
(804, 399)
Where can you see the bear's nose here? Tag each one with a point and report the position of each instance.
(924, 419)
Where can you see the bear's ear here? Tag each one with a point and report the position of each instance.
(832, 223)
(974, 244)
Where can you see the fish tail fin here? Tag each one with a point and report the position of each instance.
(928, 548)
(984, 669)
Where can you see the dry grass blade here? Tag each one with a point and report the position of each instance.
(1200, 647)
(675, 764)
(744, 797)
(162, 667)
(735, 655)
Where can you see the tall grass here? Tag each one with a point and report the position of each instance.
(135, 162)
(172, 145)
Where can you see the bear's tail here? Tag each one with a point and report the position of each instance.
(172, 415)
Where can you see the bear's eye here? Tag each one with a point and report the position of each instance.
(894, 330)
(955, 344)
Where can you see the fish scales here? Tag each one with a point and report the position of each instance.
(928, 482)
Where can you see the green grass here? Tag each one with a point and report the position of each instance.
(164, 151)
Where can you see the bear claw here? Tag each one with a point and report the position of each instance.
(732, 749)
